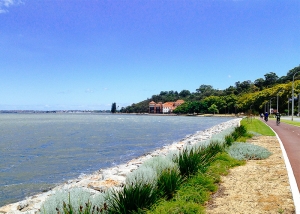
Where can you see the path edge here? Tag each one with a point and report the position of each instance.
(292, 180)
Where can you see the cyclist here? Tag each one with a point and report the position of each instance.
(278, 115)
(266, 116)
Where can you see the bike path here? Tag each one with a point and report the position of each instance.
(289, 136)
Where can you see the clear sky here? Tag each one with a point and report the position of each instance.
(87, 54)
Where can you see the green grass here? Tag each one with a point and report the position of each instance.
(295, 123)
(193, 194)
(258, 126)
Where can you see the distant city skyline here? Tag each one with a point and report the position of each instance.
(85, 55)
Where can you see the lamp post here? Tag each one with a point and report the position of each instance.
(277, 100)
(293, 96)
(270, 107)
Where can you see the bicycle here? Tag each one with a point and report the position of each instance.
(277, 122)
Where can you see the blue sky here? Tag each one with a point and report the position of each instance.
(79, 54)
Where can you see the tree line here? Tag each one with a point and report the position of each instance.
(241, 97)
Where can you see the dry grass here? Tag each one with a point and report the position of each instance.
(260, 186)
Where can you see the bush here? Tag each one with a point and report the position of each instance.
(133, 198)
(75, 199)
(160, 163)
(169, 182)
(241, 130)
(247, 151)
(144, 174)
(229, 139)
(192, 160)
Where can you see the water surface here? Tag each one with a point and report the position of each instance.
(38, 151)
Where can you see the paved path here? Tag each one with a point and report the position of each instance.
(290, 137)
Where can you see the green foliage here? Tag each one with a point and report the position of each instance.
(75, 199)
(159, 163)
(241, 130)
(295, 123)
(177, 207)
(133, 198)
(241, 97)
(169, 182)
(213, 109)
(144, 174)
(195, 191)
(195, 159)
(258, 126)
(229, 139)
(247, 151)
(113, 108)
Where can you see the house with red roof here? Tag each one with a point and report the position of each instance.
(163, 108)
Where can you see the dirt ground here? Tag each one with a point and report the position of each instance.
(260, 186)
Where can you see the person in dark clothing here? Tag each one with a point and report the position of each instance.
(266, 116)
(278, 115)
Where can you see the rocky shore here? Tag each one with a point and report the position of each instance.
(114, 176)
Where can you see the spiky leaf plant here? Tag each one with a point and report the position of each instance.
(229, 139)
(168, 182)
(133, 198)
(191, 160)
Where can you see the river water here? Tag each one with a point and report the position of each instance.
(39, 151)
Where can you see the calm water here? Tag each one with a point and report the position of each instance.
(38, 151)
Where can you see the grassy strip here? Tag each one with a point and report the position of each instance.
(256, 125)
(294, 123)
(195, 192)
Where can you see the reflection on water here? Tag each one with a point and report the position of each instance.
(38, 151)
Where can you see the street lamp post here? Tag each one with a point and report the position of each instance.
(270, 107)
(277, 100)
(293, 96)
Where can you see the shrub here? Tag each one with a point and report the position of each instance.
(241, 130)
(160, 163)
(168, 182)
(144, 174)
(75, 199)
(247, 151)
(229, 139)
(198, 158)
(133, 198)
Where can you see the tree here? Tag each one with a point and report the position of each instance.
(213, 109)
(243, 86)
(184, 93)
(270, 79)
(113, 108)
(259, 83)
(204, 89)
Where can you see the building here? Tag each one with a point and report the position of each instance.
(163, 108)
